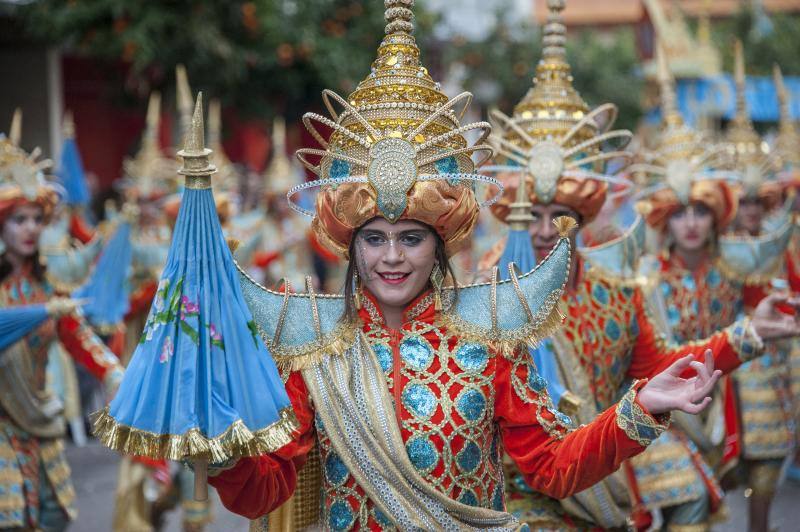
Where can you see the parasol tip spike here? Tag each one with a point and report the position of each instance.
(195, 140)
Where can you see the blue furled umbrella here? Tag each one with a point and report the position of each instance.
(201, 385)
(70, 170)
(16, 322)
(107, 289)
(519, 251)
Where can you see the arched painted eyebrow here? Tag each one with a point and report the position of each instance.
(407, 232)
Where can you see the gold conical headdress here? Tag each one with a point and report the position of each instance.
(150, 173)
(185, 103)
(748, 155)
(681, 155)
(397, 149)
(280, 175)
(15, 131)
(788, 141)
(744, 143)
(68, 125)
(554, 139)
(22, 176)
(227, 175)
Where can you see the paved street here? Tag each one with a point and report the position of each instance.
(94, 471)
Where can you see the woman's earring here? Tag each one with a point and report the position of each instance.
(357, 291)
(437, 280)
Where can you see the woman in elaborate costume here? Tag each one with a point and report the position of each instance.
(410, 390)
(608, 333)
(35, 488)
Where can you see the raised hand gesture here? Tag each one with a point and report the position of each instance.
(669, 391)
(772, 324)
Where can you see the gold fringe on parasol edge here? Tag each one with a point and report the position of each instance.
(237, 441)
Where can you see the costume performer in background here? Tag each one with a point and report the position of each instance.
(35, 488)
(409, 391)
(694, 292)
(787, 149)
(607, 332)
(762, 387)
(280, 247)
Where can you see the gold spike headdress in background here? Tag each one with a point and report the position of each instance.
(683, 167)
(553, 140)
(150, 174)
(22, 177)
(787, 143)
(281, 173)
(397, 149)
(749, 156)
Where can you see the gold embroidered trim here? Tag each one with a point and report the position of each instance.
(297, 358)
(544, 324)
(640, 426)
(236, 441)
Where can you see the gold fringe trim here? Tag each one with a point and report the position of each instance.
(237, 441)
(565, 225)
(298, 358)
(509, 342)
(753, 279)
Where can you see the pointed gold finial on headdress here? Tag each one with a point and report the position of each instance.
(666, 82)
(214, 122)
(149, 171)
(196, 166)
(739, 78)
(788, 140)
(281, 174)
(15, 131)
(184, 100)
(68, 125)
(704, 24)
(744, 143)
(226, 172)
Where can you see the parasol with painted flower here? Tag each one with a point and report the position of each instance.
(201, 386)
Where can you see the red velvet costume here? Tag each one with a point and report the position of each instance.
(515, 415)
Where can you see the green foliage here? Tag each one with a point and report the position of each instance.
(605, 67)
(779, 44)
(256, 55)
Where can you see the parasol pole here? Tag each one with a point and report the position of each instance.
(197, 171)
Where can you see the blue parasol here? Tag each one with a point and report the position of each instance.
(107, 289)
(70, 170)
(16, 322)
(201, 385)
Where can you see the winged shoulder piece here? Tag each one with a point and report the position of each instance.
(301, 328)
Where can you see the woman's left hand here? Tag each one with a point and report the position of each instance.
(669, 391)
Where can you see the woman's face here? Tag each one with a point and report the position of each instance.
(691, 227)
(395, 261)
(22, 229)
